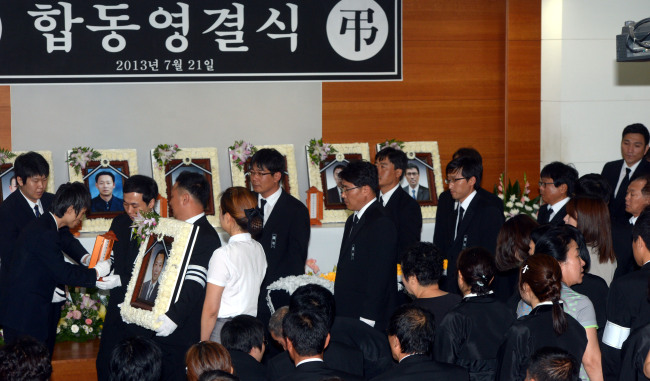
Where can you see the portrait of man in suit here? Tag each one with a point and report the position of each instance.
(414, 189)
(106, 201)
(334, 193)
(9, 183)
(149, 289)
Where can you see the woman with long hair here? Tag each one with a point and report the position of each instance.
(591, 217)
(237, 269)
(470, 334)
(547, 325)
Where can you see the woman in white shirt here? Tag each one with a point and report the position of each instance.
(236, 270)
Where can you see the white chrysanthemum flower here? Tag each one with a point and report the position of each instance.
(535, 206)
(510, 204)
(74, 328)
(528, 208)
(519, 204)
(513, 197)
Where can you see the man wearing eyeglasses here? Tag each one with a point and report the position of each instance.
(556, 186)
(475, 219)
(285, 236)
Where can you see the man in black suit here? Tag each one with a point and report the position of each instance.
(404, 210)
(140, 194)
(334, 193)
(31, 273)
(414, 189)
(307, 335)
(410, 335)
(285, 237)
(474, 220)
(556, 186)
(106, 201)
(150, 288)
(243, 337)
(619, 173)
(366, 277)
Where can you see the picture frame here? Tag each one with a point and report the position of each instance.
(7, 174)
(121, 164)
(201, 160)
(425, 174)
(175, 239)
(290, 180)
(322, 176)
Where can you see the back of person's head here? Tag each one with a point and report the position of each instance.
(539, 232)
(469, 167)
(196, 185)
(424, 261)
(468, 152)
(478, 269)
(642, 228)
(553, 364)
(361, 173)
(592, 215)
(204, 356)
(143, 185)
(217, 375)
(25, 359)
(31, 164)
(414, 328)
(593, 185)
(555, 242)
(270, 159)
(396, 156)
(275, 323)
(241, 204)
(314, 297)
(243, 333)
(136, 359)
(70, 194)
(543, 275)
(307, 331)
(561, 174)
(513, 241)
(637, 128)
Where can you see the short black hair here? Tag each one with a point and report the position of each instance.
(243, 333)
(314, 297)
(561, 173)
(468, 152)
(104, 173)
(217, 375)
(360, 173)
(338, 166)
(414, 328)
(593, 185)
(307, 331)
(270, 159)
(70, 194)
(555, 242)
(413, 166)
(136, 359)
(424, 261)
(642, 227)
(143, 185)
(637, 128)
(196, 185)
(25, 359)
(396, 156)
(31, 164)
(553, 364)
(469, 166)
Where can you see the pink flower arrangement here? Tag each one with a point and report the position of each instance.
(164, 153)
(144, 224)
(80, 156)
(318, 151)
(240, 152)
(311, 263)
(89, 321)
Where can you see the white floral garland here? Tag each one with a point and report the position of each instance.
(181, 232)
(292, 282)
(47, 155)
(187, 154)
(130, 155)
(411, 148)
(315, 180)
(239, 179)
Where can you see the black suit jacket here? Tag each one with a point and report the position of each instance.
(421, 367)
(422, 195)
(246, 367)
(366, 277)
(333, 196)
(544, 213)
(611, 172)
(145, 291)
(15, 214)
(29, 276)
(407, 217)
(339, 356)
(622, 244)
(480, 227)
(316, 371)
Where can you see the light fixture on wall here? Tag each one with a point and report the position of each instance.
(633, 44)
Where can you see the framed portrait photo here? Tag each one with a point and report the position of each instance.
(105, 177)
(158, 272)
(8, 181)
(203, 161)
(423, 177)
(324, 176)
(289, 181)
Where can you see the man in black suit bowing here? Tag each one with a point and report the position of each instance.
(366, 277)
(474, 220)
(140, 194)
(404, 210)
(619, 173)
(556, 186)
(285, 237)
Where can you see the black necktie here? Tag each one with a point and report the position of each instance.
(355, 220)
(461, 212)
(381, 201)
(37, 211)
(262, 204)
(622, 189)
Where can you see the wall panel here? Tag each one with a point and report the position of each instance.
(5, 117)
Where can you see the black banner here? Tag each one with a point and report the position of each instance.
(206, 40)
